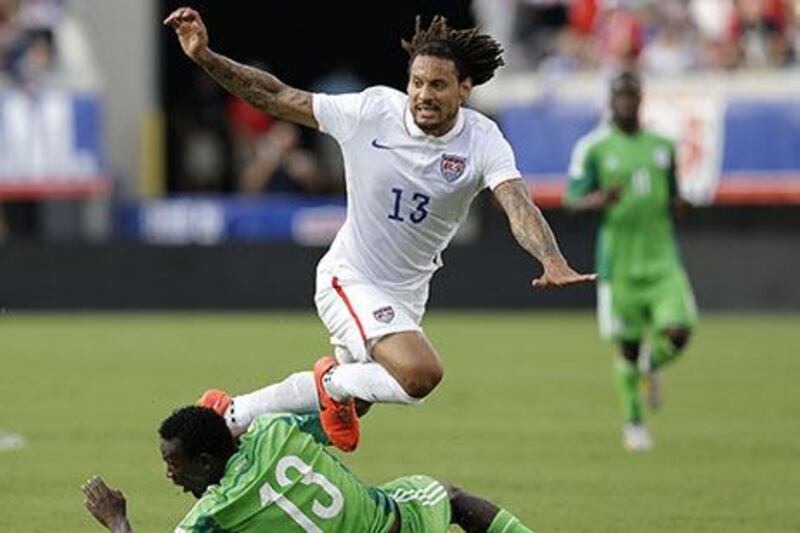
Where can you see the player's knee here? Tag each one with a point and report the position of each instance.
(455, 493)
(362, 407)
(423, 378)
(456, 496)
(679, 337)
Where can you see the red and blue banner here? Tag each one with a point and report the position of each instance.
(731, 150)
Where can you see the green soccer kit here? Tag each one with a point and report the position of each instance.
(284, 480)
(642, 282)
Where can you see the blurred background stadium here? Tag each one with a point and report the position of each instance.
(130, 181)
(120, 160)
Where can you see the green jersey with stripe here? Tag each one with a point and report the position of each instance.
(636, 240)
(284, 480)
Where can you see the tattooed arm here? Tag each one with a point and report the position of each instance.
(533, 233)
(261, 89)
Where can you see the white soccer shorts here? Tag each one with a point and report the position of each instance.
(358, 314)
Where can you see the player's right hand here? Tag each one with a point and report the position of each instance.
(107, 505)
(610, 196)
(191, 31)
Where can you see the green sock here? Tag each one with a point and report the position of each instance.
(627, 379)
(505, 522)
(663, 352)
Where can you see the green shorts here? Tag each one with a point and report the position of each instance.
(627, 309)
(423, 502)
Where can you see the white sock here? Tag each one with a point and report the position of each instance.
(367, 381)
(295, 394)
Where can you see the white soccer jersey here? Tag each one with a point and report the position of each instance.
(407, 192)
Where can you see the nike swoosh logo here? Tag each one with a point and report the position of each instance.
(380, 146)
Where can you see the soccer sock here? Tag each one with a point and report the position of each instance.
(663, 350)
(627, 379)
(505, 522)
(295, 394)
(367, 381)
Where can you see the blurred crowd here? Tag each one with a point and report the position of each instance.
(43, 48)
(662, 37)
(42, 44)
(222, 144)
(219, 143)
(229, 146)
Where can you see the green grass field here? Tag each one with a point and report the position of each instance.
(526, 416)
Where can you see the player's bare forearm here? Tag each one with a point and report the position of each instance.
(534, 234)
(527, 223)
(260, 88)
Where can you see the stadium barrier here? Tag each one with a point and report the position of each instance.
(743, 258)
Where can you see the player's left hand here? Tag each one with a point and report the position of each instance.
(560, 274)
(107, 505)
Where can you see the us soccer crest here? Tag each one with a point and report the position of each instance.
(384, 314)
(452, 166)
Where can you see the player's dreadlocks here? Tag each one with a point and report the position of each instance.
(476, 55)
(200, 430)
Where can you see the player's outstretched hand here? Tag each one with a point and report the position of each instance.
(107, 505)
(560, 274)
(191, 31)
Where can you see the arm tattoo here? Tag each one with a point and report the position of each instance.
(261, 89)
(528, 225)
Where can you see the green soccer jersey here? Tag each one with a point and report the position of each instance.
(636, 239)
(283, 480)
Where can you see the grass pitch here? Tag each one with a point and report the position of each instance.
(526, 416)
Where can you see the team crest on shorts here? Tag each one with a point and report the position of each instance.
(384, 314)
(452, 166)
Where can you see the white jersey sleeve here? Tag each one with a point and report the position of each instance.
(499, 162)
(339, 115)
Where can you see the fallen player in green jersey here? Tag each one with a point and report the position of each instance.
(280, 477)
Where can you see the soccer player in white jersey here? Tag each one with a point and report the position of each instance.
(413, 164)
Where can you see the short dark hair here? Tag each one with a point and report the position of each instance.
(626, 78)
(476, 55)
(200, 430)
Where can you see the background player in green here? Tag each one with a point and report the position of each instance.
(645, 302)
(281, 478)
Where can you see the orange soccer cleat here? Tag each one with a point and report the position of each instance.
(339, 419)
(216, 400)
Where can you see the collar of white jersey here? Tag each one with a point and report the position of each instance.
(414, 131)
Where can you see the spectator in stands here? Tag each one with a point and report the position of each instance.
(619, 35)
(33, 62)
(74, 64)
(268, 154)
(281, 165)
(670, 47)
(759, 30)
(9, 28)
(202, 140)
